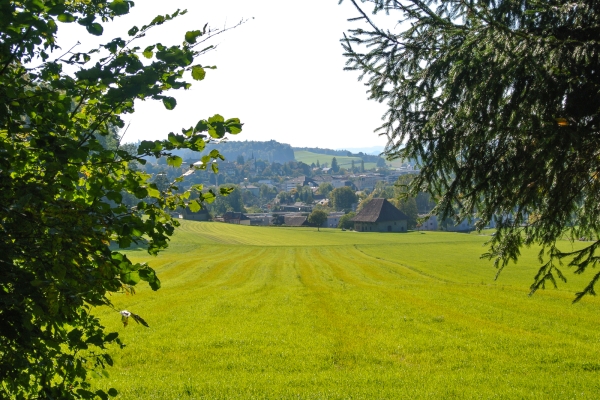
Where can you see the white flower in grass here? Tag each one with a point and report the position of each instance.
(125, 318)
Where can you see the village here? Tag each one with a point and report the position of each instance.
(285, 194)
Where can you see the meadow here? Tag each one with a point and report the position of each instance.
(309, 157)
(264, 312)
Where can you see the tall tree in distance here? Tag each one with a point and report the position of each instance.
(334, 165)
(317, 218)
(343, 198)
(500, 102)
(66, 185)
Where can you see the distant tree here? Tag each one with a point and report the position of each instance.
(343, 198)
(380, 163)
(345, 221)
(285, 197)
(267, 193)
(325, 188)
(352, 166)
(240, 160)
(278, 219)
(161, 181)
(425, 202)
(317, 218)
(364, 201)
(362, 165)
(334, 165)
(405, 201)
(318, 165)
(408, 206)
(233, 202)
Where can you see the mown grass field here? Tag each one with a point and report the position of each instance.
(309, 157)
(259, 312)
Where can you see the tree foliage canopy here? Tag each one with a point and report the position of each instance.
(499, 100)
(343, 198)
(317, 218)
(62, 209)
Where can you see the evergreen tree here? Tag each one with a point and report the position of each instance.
(500, 103)
(362, 165)
(334, 165)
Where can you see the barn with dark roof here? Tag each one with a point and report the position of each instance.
(379, 215)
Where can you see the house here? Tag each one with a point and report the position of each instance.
(232, 217)
(367, 181)
(333, 219)
(299, 181)
(201, 215)
(395, 174)
(297, 207)
(250, 188)
(296, 220)
(430, 224)
(464, 226)
(379, 215)
(260, 219)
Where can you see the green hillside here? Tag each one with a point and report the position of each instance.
(264, 312)
(308, 157)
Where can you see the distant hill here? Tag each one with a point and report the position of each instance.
(309, 157)
(368, 158)
(271, 151)
(373, 150)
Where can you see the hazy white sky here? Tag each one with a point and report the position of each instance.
(281, 73)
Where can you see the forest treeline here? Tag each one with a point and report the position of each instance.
(270, 151)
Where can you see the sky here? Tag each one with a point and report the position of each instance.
(281, 72)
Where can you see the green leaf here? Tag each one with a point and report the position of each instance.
(209, 197)
(169, 102)
(148, 52)
(100, 393)
(140, 192)
(215, 167)
(201, 126)
(114, 196)
(119, 7)
(174, 161)
(198, 73)
(130, 278)
(191, 36)
(216, 118)
(124, 242)
(133, 31)
(95, 29)
(194, 206)
(233, 126)
(153, 191)
(177, 140)
(66, 17)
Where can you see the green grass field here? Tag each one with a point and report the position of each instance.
(308, 157)
(261, 312)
